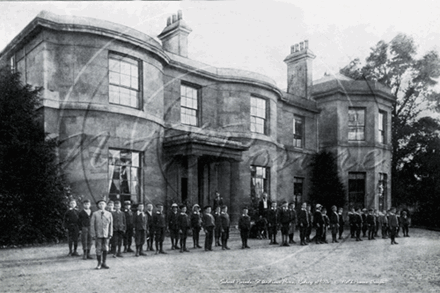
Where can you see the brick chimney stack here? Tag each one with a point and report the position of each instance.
(174, 36)
(299, 70)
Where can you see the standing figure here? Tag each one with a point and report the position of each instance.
(84, 224)
(364, 222)
(264, 205)
(311, 220)
(359, 224)
(71, 223)
(128, 237)
(184, 225)
(159, 227)
(196, 225)
(383, 219)
(101, 229)
(272, 223)
(293, 219)
(140, 223)
(285, 223)
(325, 225)
(172, 226)
(371, 223)
(303, 222)
(244, 224)
(118, 228)
(352, 222)
(150, 229)
(217, 226)
(208, 227)
(318, 222)
(225, 222)
(404, 219)
(393, 223)
(334, 224)
(218, 201)
(341, 222)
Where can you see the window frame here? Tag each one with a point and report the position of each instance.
(136, 196)
(130, 60)
(357, 126)
(253, 124)
(265, 177)
(301, 139)
(197, 110)
(382, 127)
(296, 182)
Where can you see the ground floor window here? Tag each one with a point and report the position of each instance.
(382, 190)
(298, 185)
(356, 189)
(124, 167)
(259, 181)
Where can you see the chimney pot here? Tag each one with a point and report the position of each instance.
(292, 49)
(168, 20)
(296, 47)
(301, 46)
(174, 18)
(306, 44)
(179, 14)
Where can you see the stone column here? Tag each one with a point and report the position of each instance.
(193, 183)
(235, 199)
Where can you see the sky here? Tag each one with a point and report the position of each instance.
(257, 35)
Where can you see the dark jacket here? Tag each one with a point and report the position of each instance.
(225, 222)
(334, 219)
(284, 217)
(261, 206)
(84, 219)
(273, 217)
(119, 221)
(244, 223)
(71, 219)
(303, 220)
(318, 219)
(196, 220)
(371, 221)
(159, 221)
(172, 221)
(183, 222)
(140, 221)
(129, 219)
(208, 221)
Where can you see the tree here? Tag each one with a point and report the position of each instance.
(327, 188)
(32, 200)
(411, 80)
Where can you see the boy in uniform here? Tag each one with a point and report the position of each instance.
(292, 222)
(303, 222)
(341, 222)
(101, 229)
(225, 222)
(84, 223)
(118, 228)
(208, 227)
(196, 225)
(393, 223)
(172, 225)
(71, 223)
(371, 223)
(217, 226)
(383, 219)
(111, 208)
(358, 223)
(285, 223)
(309, 229)
(404, 219)
(364, 222)
(273, 222)
(128, 236)
(334, 224)
(140, 222)
(325, 225)
(244, 224)
(159, 227)
(184, 225)
(319, 224)
(150, 229)
(352, 222)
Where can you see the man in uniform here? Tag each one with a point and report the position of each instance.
(101, 229)
(303, 222)
(172, 226)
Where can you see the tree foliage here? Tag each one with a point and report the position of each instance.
(327, 188)
(412, 80)
(31, 188)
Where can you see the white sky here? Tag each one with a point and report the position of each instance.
(257, 35)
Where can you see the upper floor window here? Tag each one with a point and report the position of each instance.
(298, 132)
(189, 105)
(258, 115)
(356, 124)
(124, 80)
(382, 126)
(298, 186)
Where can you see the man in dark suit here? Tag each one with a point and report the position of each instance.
(303, 222)
(218, 201)
(334, 224)
(159, 227)
(293, 220)
(318, 223)
(150, 234)
(393, 223)
(225, 223)
(359, 224)
(140, 221)
(264, 205)
(371, 223)
(128, 237)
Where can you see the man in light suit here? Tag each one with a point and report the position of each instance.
(101, 229)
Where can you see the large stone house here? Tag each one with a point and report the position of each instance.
(137, 119)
